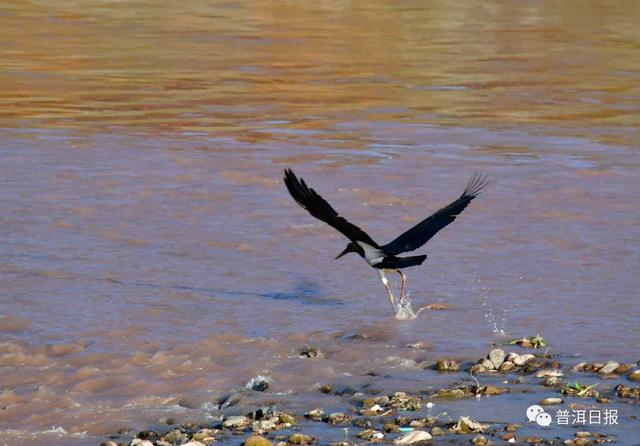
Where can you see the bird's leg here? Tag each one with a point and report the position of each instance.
(404, 281)
(385, 282)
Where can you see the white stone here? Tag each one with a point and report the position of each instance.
(523, 359)
(413, 437)
(239, 421)
(496, 356)
(609, 367)
(549, 372)
(139, 442)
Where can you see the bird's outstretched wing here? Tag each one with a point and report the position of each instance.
(317, 206)
(427, 228)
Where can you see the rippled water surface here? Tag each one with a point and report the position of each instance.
(151, 258)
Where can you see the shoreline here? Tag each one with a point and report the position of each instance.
(346, 415)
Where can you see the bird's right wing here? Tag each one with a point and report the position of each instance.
(427, 228)
(317, 206)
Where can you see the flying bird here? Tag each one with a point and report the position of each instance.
(383, 257)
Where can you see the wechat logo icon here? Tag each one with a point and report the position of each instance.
(536, 413)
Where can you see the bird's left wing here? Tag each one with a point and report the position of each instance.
(317, 206)
(427, 228)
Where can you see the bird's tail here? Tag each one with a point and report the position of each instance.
(405, 262)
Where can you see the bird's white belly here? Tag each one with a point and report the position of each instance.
(372, 255)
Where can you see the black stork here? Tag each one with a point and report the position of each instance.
(383, 257)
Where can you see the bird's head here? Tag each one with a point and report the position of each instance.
(351, 247)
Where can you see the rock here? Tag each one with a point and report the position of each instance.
(496, 356)
(264, 425)
(627, 392)
(301, 439)
(447, 365)
(579, 367)
(345, 391)
(487, 364)
(362, 423)
(622, 369)
(390, 427)
(257, 440)
(193, 443)
(239, 422)
(140, 442)
(512, 356)
(594, 367)
(551, 401)
(466, 425)
(230, 400)
(337, 418)
(287, 419)
(581, 434)
(176, 436)
(402, 401)
(205, 435)
(147, 435)
(551, 381)
(437, 431)
(260, 413)
(370, 435)
(259, 383)
(413, 437)
(609, 367)
(310, 352)
(634, 376)
(370, 402)
(477, 368)
(549, 372)
(523, 359)
(480, 440)
(108, 443)
(451, 393)
(509, 436)
(493, 390)
(189, 425)
(533, 365)
(511, 427)
(533, 440)
(315, 415)
(372, 411)
(326, 388)
(507, 366)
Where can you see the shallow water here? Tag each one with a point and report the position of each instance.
(152, 260)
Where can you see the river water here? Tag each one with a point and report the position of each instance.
(151, 258)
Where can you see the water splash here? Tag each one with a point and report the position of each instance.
(497, 322)
(404, 310)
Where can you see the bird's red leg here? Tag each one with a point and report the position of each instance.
(404, 280)
(385, 282)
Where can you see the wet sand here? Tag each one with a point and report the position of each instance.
(152, 260)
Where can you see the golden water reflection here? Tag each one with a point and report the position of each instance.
(240, 67)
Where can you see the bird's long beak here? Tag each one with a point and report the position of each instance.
(346, 251)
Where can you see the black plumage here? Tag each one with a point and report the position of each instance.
(383, 257)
